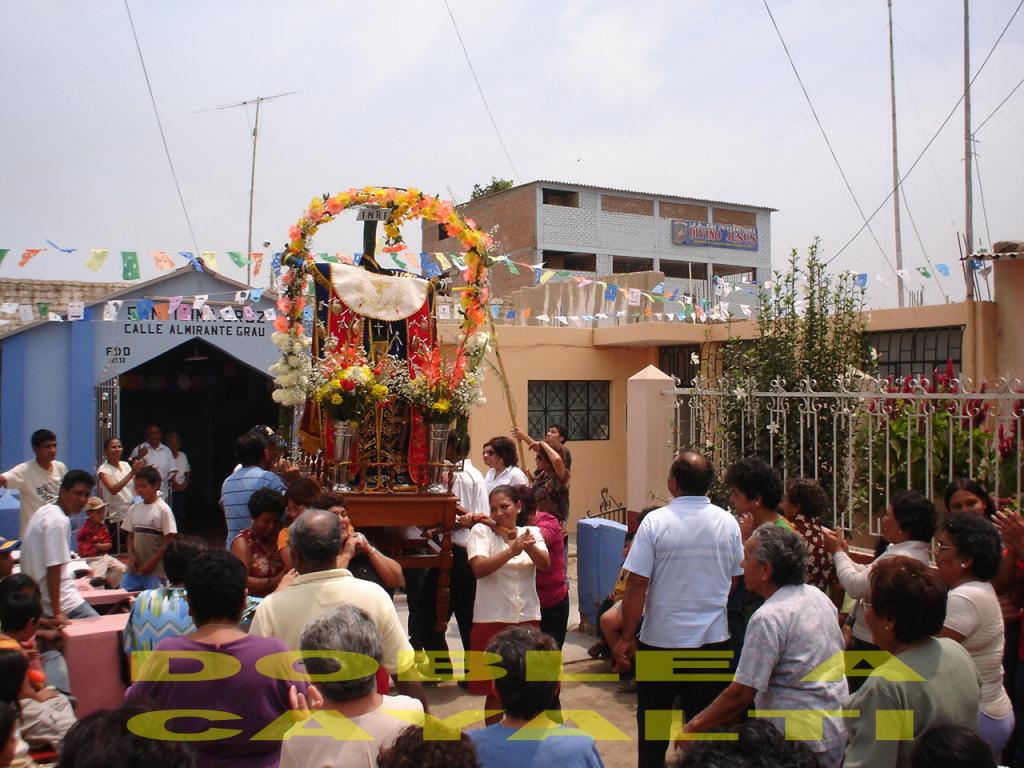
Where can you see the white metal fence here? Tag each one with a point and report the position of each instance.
(864, 439)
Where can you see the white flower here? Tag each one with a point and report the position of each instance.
(773, 427)
(477, 343)
(695, 358)
(740, 392)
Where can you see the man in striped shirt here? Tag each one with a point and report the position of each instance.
(254, 455)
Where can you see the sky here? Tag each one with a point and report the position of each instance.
(686, 97)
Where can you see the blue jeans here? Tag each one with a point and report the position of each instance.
(83, 611)
(136, 582)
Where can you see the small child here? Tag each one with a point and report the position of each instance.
(148, 526)
(46, 713)
(94, 544)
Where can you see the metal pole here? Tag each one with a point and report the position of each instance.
(252, 192)
(968, 192)
(895, 165)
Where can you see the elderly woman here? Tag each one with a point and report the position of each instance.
(215, 585)
(908, 526)
(794, 632)
(358, 555)
(805, 505)
(503, 461)
(906, 607)
(352, 702)
(967, 556)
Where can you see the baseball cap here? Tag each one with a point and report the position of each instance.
(94, 502)
(8, 545)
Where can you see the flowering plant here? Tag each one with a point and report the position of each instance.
(347, 384)
(442, 391)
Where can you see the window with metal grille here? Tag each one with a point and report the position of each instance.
(580, 406)
(918, 351)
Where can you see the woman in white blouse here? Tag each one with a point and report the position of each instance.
(968, 552)
(908, 527)
(114, 479)
(501, 456)
(504, 556)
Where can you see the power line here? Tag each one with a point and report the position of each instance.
(824, 135)
(160, 125)
(920, 242)
(480, 90)
(981, 192)
(913, 165)
(999, 106)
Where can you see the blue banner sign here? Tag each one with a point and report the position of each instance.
(714, 235)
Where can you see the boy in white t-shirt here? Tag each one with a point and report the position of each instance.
(37, 480)
(149, 526)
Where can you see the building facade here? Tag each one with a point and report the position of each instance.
(586, 230)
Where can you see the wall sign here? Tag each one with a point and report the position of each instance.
(709, 235)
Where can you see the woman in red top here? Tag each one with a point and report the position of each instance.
(256, 546)
(552, 589)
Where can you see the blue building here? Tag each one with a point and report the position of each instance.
(90, 379)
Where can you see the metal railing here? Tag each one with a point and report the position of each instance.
(864, 439)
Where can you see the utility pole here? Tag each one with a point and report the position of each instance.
(252, 174)
(968, 193)
(895, 165)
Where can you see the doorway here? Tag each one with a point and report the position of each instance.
(209, 398)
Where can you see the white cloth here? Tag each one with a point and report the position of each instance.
(792, 632)
(382, 297)
(972, 609)
(856, 578)
(45, 544)
(509, 595)
(690, 550)
(507, 476)
(382, 725)
(470, 489)
(117, 503)
(161, 459)
(36, 487)
(284, 614)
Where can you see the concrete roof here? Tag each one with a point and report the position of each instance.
(617, 190)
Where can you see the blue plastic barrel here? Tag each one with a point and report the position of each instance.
(598, 562)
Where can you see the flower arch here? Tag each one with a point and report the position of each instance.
(405, 205)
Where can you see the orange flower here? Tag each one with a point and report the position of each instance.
(294, 233)
(334, 205)
(281, 323)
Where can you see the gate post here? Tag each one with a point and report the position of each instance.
(649, 437)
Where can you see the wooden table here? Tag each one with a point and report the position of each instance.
(92, 648)
(382, 513)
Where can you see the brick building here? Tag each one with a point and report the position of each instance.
(590, 230)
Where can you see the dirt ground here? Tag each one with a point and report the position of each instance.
(618, 750)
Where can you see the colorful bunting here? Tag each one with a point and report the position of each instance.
(207, 313)
(256, 293)
(190, 257)
(942, 269)
(76, 310)
(241, 297)
(28, 255)
(248, 313)
(923, 271)
(3, 254)
(209, 259)
(43, 308)
(611, 292)
(162, 311)
(861, 280)
(184, 312)
(96, 258)
(162, 261)
(174, 303)
(257, 262)
(228, 313)
(201, 299)
(25, 313)
(238, 259)
(130, 265)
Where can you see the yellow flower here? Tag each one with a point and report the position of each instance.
(336, 399)
(442, 405)
(379, 391)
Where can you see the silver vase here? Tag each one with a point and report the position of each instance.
(437, 445)
(345, 435)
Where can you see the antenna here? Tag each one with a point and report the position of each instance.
(258, 100)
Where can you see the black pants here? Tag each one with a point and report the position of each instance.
(462, 594)
(554, 621)
(692, 697)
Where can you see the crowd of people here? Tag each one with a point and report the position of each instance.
(796, 650)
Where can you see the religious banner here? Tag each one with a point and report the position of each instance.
(708, 235)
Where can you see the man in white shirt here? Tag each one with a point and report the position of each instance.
(681, 566)
(45, 551)
(38, 480)
(159, 456)
(470, 489)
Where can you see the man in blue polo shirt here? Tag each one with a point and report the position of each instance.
(254, 456)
